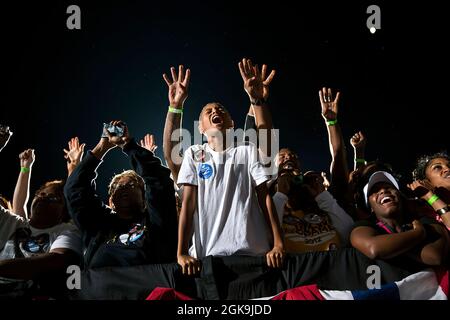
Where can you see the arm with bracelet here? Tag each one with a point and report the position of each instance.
(22, 190)
(256, 85)
(422, 189)
(338, 167)
(358, 142)
(178, 92)
(5, 135)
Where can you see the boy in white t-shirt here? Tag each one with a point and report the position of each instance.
(226, 205)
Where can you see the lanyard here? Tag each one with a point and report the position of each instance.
(388, 229)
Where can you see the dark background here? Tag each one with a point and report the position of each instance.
(60, 83)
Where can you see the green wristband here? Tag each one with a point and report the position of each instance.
(175, 110)
(24, 169)
(363, 161)
(331, 122)
(433, 199)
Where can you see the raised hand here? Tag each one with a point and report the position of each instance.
(358, 141)
(178, 86)
(5, 135)
(116, 140)
(421, 188)
(149, 142)
(329, 105)
(74, 154)
(256, 84)
(27, 158)
(314, 183)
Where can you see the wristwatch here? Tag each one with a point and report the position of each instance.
(258, 102)
(445, 209)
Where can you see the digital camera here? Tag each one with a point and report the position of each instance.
(113, 130)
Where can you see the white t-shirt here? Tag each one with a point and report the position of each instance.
(33, 241)
(227, 219)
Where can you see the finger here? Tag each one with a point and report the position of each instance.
(256, 71)
(181, 72)
(336, 99)
(66, 151)
(250, 67)
(273, 261)
(279, 260)
(185, 268)
(167, 80)
(187, 78)
(330, 95)
(268, 260)
(269, 78)
(242, 70)
(151, 139)
(191, 269)
(321, 97)
(245, 67)
(263, 71)
(174, 74)
(142, 143)
(324, 92)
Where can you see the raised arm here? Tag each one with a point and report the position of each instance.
(22, 190)
(178, 92)
(85, 206)
(358, 142)
(5, 135)
(424, 190)
(338, 167)
(159, 195)
(74, 154)
(256, 84)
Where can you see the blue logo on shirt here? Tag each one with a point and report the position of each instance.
(205, 171)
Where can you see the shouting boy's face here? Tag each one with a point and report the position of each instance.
(214, 117)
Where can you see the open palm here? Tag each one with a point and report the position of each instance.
(178, 85)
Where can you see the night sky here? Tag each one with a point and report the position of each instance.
(59, 83)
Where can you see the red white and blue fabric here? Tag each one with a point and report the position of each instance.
(424, 285)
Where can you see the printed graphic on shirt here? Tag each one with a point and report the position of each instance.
(32, 245)
(205, 171)
(134, 237)
(200, 155)
(306, 232)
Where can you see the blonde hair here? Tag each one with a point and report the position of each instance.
(130, 174)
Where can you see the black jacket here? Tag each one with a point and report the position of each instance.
(101, 228)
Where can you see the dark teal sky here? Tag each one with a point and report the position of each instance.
(60, 83)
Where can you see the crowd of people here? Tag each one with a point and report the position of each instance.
(220, 198)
